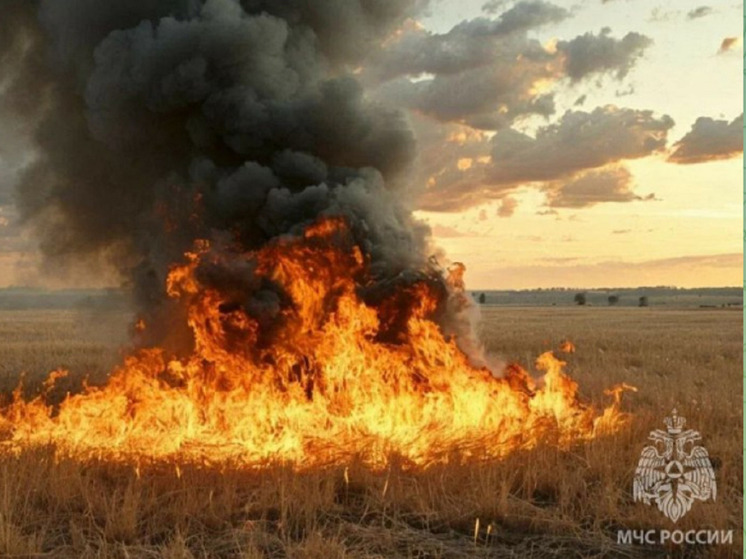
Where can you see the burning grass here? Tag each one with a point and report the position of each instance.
(331, 373)
(539, 502)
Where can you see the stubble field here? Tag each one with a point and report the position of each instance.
(544, 502)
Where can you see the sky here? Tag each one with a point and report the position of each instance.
(689, 233)
(590, 143)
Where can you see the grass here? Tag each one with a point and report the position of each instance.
(539, 503)
(34, 342)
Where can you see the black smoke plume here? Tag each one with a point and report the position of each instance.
(158, 122)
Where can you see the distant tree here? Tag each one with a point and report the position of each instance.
(580, 298)
(643, 301)
(482, 298)
(613, 300)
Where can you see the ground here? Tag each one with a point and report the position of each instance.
(544, 502)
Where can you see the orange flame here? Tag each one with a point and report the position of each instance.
(335, 377)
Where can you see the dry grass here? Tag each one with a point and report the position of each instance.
(35, 342)
(539, 503)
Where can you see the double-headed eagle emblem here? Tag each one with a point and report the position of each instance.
(674, 471)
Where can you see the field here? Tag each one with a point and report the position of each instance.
(670, 297)
(544, 502)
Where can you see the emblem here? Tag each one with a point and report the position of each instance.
(674, 472)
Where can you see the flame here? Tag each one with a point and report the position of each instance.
(333, 375)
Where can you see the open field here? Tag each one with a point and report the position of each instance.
(540, 503)
(670, 297)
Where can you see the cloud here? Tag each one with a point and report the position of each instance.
(579, 141)
(490, 94)
(532, 238)
(590, 54)
(493, 6)
(507, 207)
(684, 271)
(450, 164)
(559, 259)
(469, 44)
(593, 187)
(484, 98)
(702, 11)
(659, 15)
(548, 212)
(629, 90)
(729, 44)
(487, 72)
(709, 140)
(444, 231)
(557, 157)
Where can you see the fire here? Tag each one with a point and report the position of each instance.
(326, 372)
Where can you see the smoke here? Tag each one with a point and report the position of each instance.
(154, 123)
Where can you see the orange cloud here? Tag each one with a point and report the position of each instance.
(507, 207)
(729, 44)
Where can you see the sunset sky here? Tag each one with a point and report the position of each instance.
(580, 143)
(690, 232)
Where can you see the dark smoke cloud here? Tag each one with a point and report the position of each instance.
(157, 122)
(710, 140)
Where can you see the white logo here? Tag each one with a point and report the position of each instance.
(671, 476)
